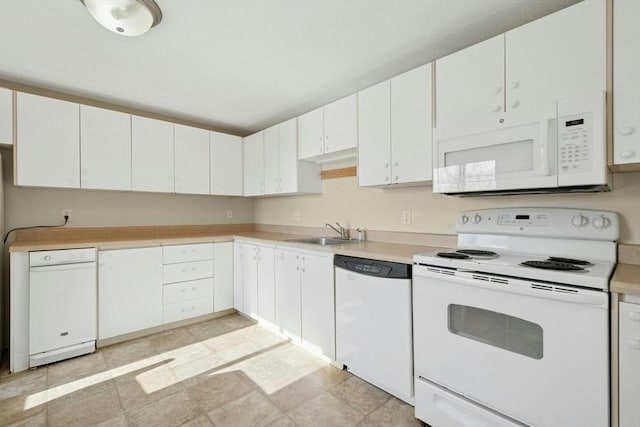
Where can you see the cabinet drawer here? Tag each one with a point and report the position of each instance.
(187, 309)
(186, 253)
(187, 271)
(184, 291)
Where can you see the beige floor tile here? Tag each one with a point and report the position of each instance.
(328, 376)
(173, 410)
(39, 420)
(117, 421)
(261, 336)
(77, 368)
(196, 370)
(187, 353)
(209, 329)
(88, 406)
(232, 347)
(12, 410)
(219, 389)
(23, 383)
(128, 352)
(295, 394)
(171, 340)
(360, 395)
(201, 421)
(140, 388)
(252, 409)
(394, 413)
(283, 422)
(325, 410)
(236, 321)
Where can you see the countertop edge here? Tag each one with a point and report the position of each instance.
(626, 279)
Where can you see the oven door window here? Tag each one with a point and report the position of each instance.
(496, 329)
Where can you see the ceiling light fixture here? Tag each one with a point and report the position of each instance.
(125, 17)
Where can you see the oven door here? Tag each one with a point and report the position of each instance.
(517, 151)
(535, 352)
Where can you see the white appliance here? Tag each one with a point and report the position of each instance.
(62, 304)
(557, 147)
(373, 322)
(512, 328)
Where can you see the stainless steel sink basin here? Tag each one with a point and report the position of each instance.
(324, 241)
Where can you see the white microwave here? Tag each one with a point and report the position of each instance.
(560, 147)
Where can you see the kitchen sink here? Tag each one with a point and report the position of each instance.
(323, 241)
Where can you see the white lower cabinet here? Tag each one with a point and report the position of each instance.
(629, 364)
(254, 280)
(222, 276)
(188, 281)
(305, 299)
(129, 290)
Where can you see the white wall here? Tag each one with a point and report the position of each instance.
(376, 209)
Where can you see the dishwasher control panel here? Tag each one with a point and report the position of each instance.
(63, 256)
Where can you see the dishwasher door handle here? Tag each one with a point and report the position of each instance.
(61, 267)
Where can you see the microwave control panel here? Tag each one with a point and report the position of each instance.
(575, 143)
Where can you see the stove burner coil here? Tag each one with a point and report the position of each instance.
(569, 260)
(553, 265)
(476, 252)
(453, 255)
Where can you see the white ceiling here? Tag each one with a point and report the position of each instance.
(243, 65)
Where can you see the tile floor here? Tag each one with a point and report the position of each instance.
(222, 372)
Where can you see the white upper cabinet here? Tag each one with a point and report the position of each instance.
(271, 160)
(394, 126)
(557, 56)
(253, 157)
(47, 142)
(105, 148)
(470, 82)
(191, 160)
(6, 116)
(151, 155)
(226, 164)
(626, 83)
(330, 132)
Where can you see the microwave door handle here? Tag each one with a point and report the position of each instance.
(544, 147)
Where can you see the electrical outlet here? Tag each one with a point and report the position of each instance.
(296, 216)
(229, 214)
(406, 217)
(65, 212)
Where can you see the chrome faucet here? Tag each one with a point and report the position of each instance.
(340, 230)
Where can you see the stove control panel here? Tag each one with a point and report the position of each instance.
(541, 222)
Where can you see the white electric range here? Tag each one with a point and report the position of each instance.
(511, 328)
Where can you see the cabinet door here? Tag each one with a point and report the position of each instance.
(250, 281)
(253, 155)
(311, 134)
(125, 278)
(238, 275)
(6, 116)
(226, 164)
(557, 56)
(288, 308)
(411, 126)
(47, 142)
(462, 94)
(271, 155)
(318, 305)
(288, 156)
(629, 356)
(105, 149)
(341, 124)
(266, 285)
(191, 160)
(626, 82)
(374, 135)
(223, 284)
(151, 155)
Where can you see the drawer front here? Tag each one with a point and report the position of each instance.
(629, 364)
(186, 253)
(187, 309)
(183, 291)
(186, 271)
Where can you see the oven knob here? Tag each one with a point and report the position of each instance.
(579, 221)
(601, 222)
(463, 219)
(477, 218)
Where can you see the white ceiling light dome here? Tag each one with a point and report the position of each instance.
(125, 17)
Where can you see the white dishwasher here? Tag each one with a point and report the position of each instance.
(62, 304)
(374, 323)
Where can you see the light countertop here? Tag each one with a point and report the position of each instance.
(626, 279)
